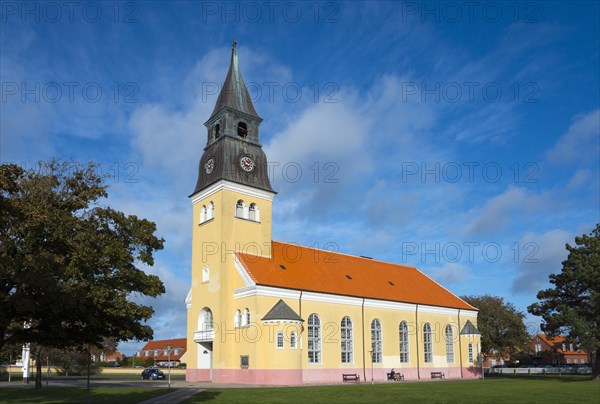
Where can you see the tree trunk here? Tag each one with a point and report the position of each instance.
(38, 369)
(596, 369)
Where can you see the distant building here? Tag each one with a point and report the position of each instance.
(157, 350)
(116, 356)
(558, 350)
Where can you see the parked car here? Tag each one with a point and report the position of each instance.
(152, 374)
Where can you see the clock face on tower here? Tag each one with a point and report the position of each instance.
(209, 165)
(247, 164)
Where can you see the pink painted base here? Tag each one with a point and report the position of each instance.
(282, 377)
(197, 375)
(287, 377)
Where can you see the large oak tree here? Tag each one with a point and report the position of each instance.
(501, 325)
(69, 265)
(572, 305)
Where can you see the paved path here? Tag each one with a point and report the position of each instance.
(173, 398)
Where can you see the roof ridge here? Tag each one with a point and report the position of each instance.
(348, 255)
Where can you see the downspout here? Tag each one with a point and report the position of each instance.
(363, 340)
(460, 347)
(417, 329)
(301, 335)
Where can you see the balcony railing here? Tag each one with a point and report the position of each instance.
(205, 335)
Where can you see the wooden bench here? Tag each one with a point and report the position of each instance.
(396, 377)
(437, 375)
(351, 377)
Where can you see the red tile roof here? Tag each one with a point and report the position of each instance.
(322, 271)
(557, 342)
(161, 345)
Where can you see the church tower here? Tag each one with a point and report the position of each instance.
(232, 209)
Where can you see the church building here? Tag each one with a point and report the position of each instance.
(261, 311)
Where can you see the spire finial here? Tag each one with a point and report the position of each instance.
(233, 45)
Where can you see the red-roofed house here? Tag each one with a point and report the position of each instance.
(268, 312)
(557, 350)
(158, 351)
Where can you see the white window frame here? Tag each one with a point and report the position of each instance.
(347, 340)
(253, 213)
(404, 342)
(279, 341)
(314, 339)
(237, 319)
(205, 320)
(202, 214)
(205, 274)
(293, 340)
(246, 318)
(449, 334)
(427, 343)
(210, 211)
(376, 341)
(470, 350)
(240, 208)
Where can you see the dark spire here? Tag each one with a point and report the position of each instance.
(234, 93)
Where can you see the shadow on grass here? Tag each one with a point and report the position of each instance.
(206, 396)
(77, 395)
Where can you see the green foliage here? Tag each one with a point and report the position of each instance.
(500, 323)
(68, 265)
(131, 361)
(572, 305)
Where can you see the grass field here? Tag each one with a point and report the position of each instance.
(113, 395)
(565, 389)
(514, 389)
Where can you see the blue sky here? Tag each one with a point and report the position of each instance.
(461, 138)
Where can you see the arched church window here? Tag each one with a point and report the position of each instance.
(238, 318)
(242, 129)
(449, 344)
(428, 343)
(376, 345)
(404, 343)
(253, 212)
(347, 344)
(293, 340)
(205, 320)
(239, 208)
(246, 316)
(203, 214)
(210, 211)
(314, 339)
(217, 131)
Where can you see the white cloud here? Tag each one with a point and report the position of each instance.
(449, 273)
(500, 210)
(540, 255)
(580, 142)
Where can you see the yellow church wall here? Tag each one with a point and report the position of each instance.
(214, 243)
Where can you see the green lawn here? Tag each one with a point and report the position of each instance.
(112, 395)
(513, 389)
(565, 389)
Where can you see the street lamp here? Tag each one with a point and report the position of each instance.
(169, 359)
